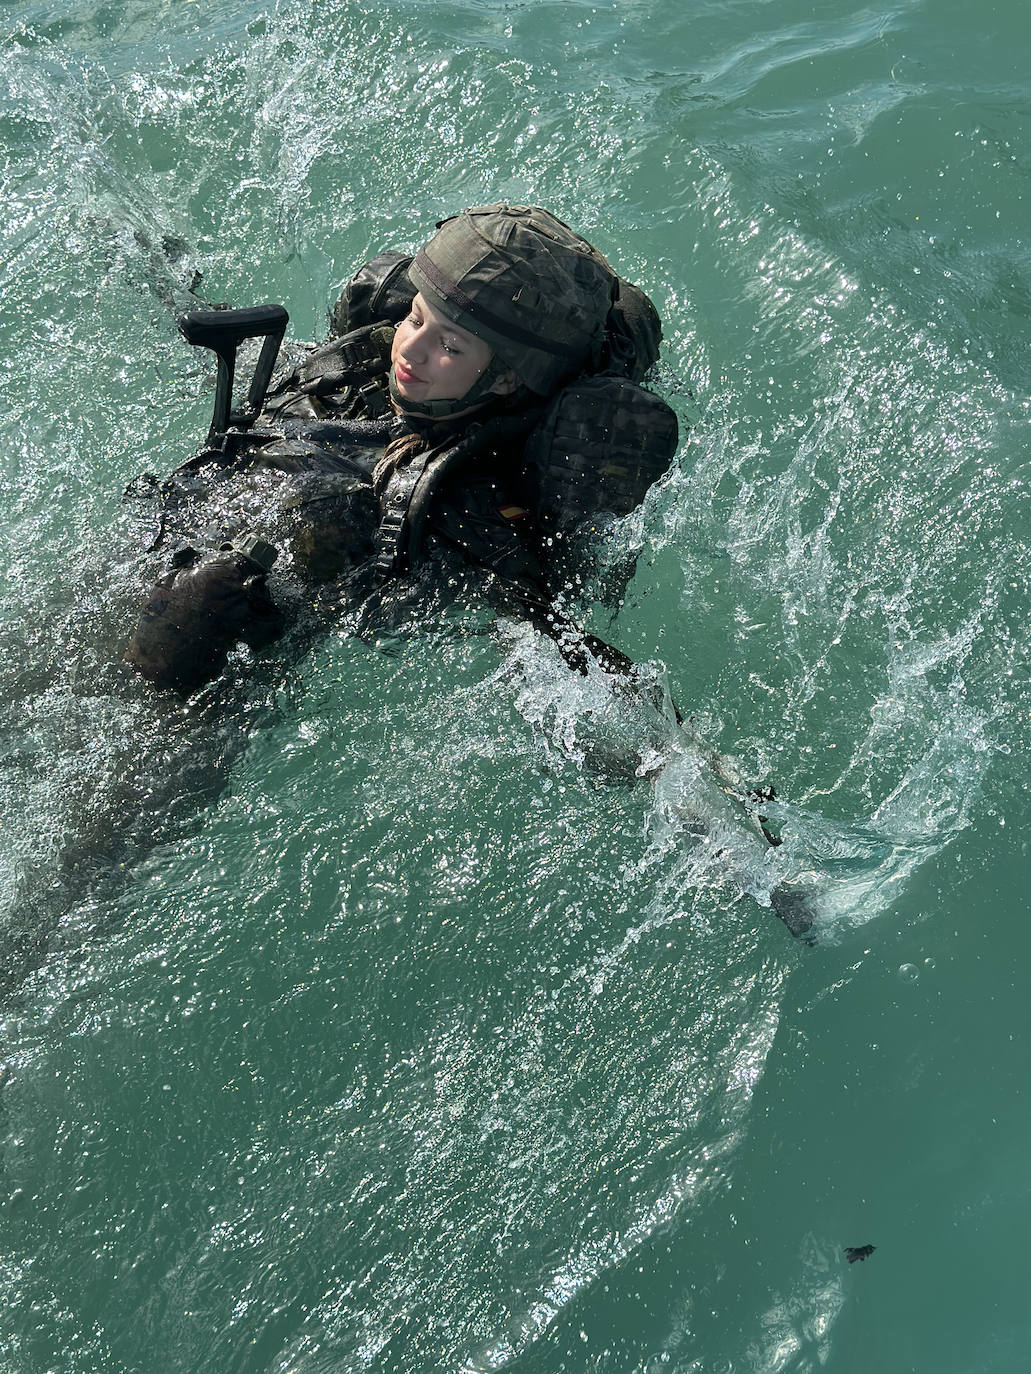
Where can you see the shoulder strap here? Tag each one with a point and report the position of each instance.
(410, 490)
(349, 360)
(356, 363)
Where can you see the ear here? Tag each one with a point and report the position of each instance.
(505, 384)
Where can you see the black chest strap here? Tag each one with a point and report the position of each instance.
(410, 490)
(405, 503)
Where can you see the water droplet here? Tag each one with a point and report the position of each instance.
(909, 972)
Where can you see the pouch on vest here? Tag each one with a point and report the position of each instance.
(632, 333)
(379, 290)
(602, 443)
(358, 358)
(343, 380)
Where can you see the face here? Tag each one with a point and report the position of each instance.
(433, 359)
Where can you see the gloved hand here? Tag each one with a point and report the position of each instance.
(197, 612)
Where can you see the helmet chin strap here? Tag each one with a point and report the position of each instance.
(443, 410)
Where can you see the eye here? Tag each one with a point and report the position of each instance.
(450, 346)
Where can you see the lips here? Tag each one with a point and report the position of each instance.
(405, 378)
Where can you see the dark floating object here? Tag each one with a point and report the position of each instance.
(859, 1252)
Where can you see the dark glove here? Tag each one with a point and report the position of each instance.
(197, 612)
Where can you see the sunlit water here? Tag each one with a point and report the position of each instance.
(371, 1014)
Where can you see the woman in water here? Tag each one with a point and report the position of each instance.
(477, 410)
(479, 407)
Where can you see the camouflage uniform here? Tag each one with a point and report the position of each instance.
(499, 490)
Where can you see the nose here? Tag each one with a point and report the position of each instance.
(413, 345)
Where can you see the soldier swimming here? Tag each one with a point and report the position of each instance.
(478, 407)
(478, 413)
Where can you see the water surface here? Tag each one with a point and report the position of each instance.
(412, 1039)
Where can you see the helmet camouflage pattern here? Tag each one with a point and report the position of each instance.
(525, 283)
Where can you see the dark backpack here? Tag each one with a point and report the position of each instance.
(378, 291)
(602, 443)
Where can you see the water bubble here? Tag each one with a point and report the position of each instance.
(909, 972)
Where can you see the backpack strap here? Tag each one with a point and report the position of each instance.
(356, 361)
(406, 501)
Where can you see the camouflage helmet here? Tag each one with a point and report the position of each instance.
(525, 283)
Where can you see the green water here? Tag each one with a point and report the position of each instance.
(410, 1038)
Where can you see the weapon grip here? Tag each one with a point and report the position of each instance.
(223, 331)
